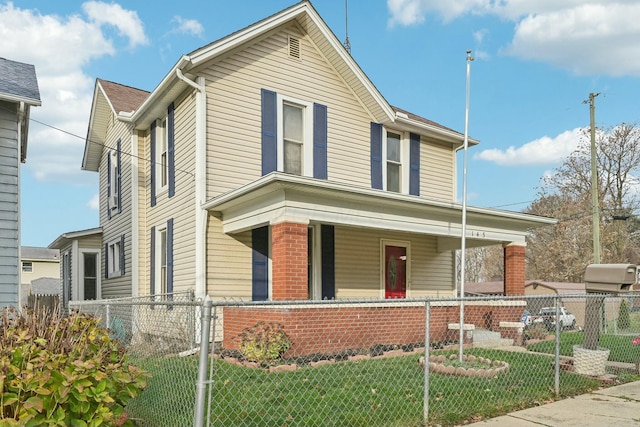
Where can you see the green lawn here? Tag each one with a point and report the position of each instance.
(622, 350)
(373, 392)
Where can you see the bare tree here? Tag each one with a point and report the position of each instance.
(562, 252)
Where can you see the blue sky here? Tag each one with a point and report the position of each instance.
(536, 61)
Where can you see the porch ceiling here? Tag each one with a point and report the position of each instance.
(280, 196)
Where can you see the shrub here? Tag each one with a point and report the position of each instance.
(264, 343)
(63, 372)
(624, 319)
(537, 331)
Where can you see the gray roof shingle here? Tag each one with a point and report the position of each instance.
(18, 82)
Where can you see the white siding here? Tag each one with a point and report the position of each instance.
(233, 90)
(437, 171)
(180, 207)
(358, 268)
(229, 261)
(120, 223)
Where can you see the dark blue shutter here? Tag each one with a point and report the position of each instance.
(152, 151)
(152, 266)
(260, 264)
(170, 256)
(414, 164)
(376, 155)
(122, 259)
(171, 150)
(109, 179)
(106, 260)
(328, 261)
(119, 172)
(320, 141)
(269, 134)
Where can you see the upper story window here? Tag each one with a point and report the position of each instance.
(295, 147)
(395, 160)
(114, 181)
(294, 136)
(161, 164)
(162, 150)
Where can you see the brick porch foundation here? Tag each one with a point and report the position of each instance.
(331, 328)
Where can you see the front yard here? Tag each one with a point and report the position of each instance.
(371, 392)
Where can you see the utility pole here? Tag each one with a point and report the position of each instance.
(593, 306)
(595, 207)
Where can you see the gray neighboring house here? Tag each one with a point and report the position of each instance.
(18, 93)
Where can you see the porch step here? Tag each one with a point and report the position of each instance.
(484, 338)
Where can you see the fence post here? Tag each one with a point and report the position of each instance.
(107, 317)
(427, 346)
(557, 349)
(205, 319)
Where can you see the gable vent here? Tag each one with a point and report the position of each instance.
(294, 47)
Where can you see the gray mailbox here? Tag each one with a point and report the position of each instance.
(610, 278)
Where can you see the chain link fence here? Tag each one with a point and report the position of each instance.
(369, 363)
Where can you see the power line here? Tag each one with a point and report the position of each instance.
(151, 162)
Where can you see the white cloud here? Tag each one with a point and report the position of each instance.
(187, 26)
(583, 36)
(587, 39)
(126, 21)
(94, 203)
(542, 151)
(60, 47)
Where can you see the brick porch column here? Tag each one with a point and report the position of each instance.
(289, 259)
(514, 269)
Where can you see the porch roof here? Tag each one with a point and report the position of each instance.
(278, 196)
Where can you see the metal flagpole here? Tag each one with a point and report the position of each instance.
(463, 246)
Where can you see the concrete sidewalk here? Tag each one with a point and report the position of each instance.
(617, 406)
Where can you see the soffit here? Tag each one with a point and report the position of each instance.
(280, 195)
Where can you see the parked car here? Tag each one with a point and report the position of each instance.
(547, 315)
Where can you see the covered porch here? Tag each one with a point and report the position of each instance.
(305, 230)
(319, 240)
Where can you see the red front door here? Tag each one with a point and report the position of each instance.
(395, 272)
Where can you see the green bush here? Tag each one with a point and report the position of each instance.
(264, 343)
(624, 319)
(63, 372)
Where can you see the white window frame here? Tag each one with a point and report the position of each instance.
(113, 257)
(27, 266)
(162, 149)
(80, 290)
(307, 143)
(113, 173)
(404, 160)
(158, 250)
(402, 244)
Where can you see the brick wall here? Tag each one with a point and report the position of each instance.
(329, 329)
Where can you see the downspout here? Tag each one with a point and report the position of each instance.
(201, 182)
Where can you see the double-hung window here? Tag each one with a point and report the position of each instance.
(162, 153)
(161, 160)
(294, 136)
(295, 146)
(162, 261)
(114, 184)
(162, 258)
(114, 258)
(394, 162)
